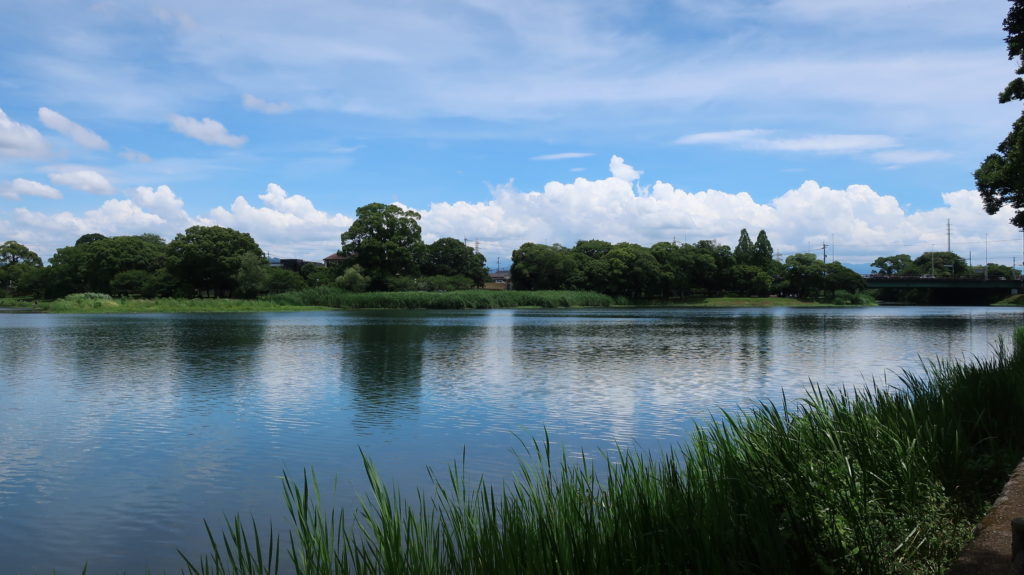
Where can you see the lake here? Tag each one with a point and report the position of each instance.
(120, 434)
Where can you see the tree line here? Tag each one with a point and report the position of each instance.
(383, 251)
(938, 265)
(668, 270)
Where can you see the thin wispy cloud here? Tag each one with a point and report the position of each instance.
(767, 141)
(19, 187)
(562, 156)
(251, 102)
(207, 131)
(86, 180)
(513, 91)
(20, 140)
(135, 156)
(902, 157)
(79, 134)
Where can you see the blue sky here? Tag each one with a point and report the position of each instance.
(856, 123)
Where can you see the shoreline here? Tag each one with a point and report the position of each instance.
(476, 299)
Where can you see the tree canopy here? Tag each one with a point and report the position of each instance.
(451, 257)
(21, 270)
(12, 252)
(896, 265)
(1000, 179)
(385, 240)
(210, 257)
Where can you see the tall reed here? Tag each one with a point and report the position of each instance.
(879, 480)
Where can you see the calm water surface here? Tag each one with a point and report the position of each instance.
(120, 434)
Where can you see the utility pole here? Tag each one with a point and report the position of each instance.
(947, 236)
(824, 252)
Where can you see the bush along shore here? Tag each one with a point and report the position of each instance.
(331, 297)
(467, 299)
(322, 298)
(882, 480)
(103, 303)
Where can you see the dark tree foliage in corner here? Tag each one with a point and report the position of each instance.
(1000, 179)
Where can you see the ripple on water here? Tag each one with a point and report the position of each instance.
(145, 426)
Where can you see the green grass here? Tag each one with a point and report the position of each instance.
(469, 299)
(330, 297)
(102, 303)
(883, 480)
(1014, 300)
(17, 302)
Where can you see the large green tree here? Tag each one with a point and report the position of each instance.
(21, 270)
(1000, 179)
(12, 252)
(208, 258)
(804, 275)
(941, 264)
(95, 260)
(451, 257)
(897, 265)
(631, 271)
(108, 257)
(676, 265)
(716, 277)
(385, 240)
(744, 251)
(542, 267)
(763, 252)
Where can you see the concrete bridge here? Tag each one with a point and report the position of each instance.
(875, 281)
(948, 291)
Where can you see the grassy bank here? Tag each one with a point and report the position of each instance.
(330, 297)
(102, 303)
(323, 298)
(1014, 300)
(469, 299)
(887, 480)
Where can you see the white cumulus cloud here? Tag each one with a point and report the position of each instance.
(285, 225)
(18, 187)
(80, 135)
(207, 131)
(163, 202)
(620, 169)
(86, 180)
(19, 140)
(862, 223)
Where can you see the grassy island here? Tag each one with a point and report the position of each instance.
(885, 480)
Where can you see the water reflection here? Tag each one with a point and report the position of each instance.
(383, 364)
(120, 434)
